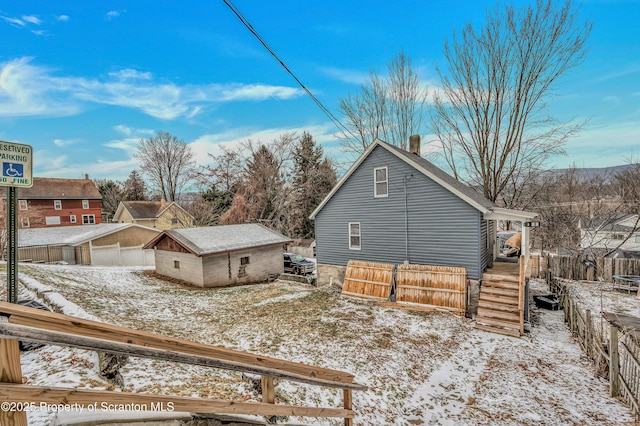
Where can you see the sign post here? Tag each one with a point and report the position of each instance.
(16, 162)
(17, 171)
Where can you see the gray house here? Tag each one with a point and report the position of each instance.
(394, 206)
(216, 256)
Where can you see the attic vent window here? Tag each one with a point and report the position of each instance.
(381, 182)
(174, 220)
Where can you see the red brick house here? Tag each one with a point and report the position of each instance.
(58, 202)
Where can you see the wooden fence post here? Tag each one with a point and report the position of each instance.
(348, 405)
(268, 390)
(588, 335)
(614, 362)
(11, 372)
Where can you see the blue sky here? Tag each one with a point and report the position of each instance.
(83, 82)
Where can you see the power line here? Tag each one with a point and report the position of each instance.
(255, 33)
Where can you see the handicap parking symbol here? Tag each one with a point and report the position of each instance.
(12, 170)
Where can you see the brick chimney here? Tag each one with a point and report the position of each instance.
(414, 144)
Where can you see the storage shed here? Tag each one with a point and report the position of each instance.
(218, 256)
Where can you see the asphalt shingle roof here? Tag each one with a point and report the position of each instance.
(60, 189)
(145, 209)
(66, 235)
(220, 239)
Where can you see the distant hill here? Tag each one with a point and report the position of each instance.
(590, 173)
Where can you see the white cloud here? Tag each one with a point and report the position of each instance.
(27, 89)
(63, 18)
(64, 142)
(31, 19)
(14, 21)
(131, 74)
(112, 14)
(346, 76)
(128, 144)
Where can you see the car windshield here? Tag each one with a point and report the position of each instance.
(297, 257)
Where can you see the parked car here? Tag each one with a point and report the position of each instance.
(298, 265)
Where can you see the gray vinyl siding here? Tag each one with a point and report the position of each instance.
(443, 229)
(486, 247)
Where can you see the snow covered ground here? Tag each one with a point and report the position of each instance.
(421, 368)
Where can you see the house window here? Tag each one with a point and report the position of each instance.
(88, 219)
(25, 222)
(381, 182)
(637, 238)
(176, 264)
(85, 204)
(174, 221)
(354, 236)
(244, 260)
(22, 204)
(57, 204)
(618, 237)
(72, 218)
(52, 220)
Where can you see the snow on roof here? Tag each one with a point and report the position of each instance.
(67, 235)
(219, 239)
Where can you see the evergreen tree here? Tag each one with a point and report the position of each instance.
(313, 178)
(135, 188)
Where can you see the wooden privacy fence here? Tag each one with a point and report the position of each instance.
(575, 267)
(437, 287)
(368, 279)
(433, 286)
(33, 325)
(614, 358)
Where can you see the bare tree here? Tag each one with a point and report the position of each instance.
(388, 108)
(490, 114)
(168, 162)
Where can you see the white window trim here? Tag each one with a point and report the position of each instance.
(376, 182)
(87, 216)
(23, 205)
(352, 247)
(57, 204)
(25, 222)
(72, 218)
(85, 204)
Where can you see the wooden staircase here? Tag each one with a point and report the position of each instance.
(499, 308)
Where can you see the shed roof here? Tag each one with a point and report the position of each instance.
(60, 189)
(210, 240)
(70, 235)
(445, 180)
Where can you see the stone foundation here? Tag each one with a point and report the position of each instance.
(331, 275)
(473, 297)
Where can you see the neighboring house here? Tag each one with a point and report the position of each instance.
(154, 214)
(217, 256)
(53, 202)
(109, 244)
(621, 231)
(394, 206)
(303, 246)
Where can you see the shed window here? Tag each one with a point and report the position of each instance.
(22, 204)
(88, 219)
(57, 204)
(244, 260)
(85, 204)
(354, 236)
(176, 264)
(381, 182)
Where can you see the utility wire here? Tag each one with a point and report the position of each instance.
(253, 31)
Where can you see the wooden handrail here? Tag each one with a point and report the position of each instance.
(67, 338)
(28, 324)
(21, 315)
(521, 280)
(52, 395)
